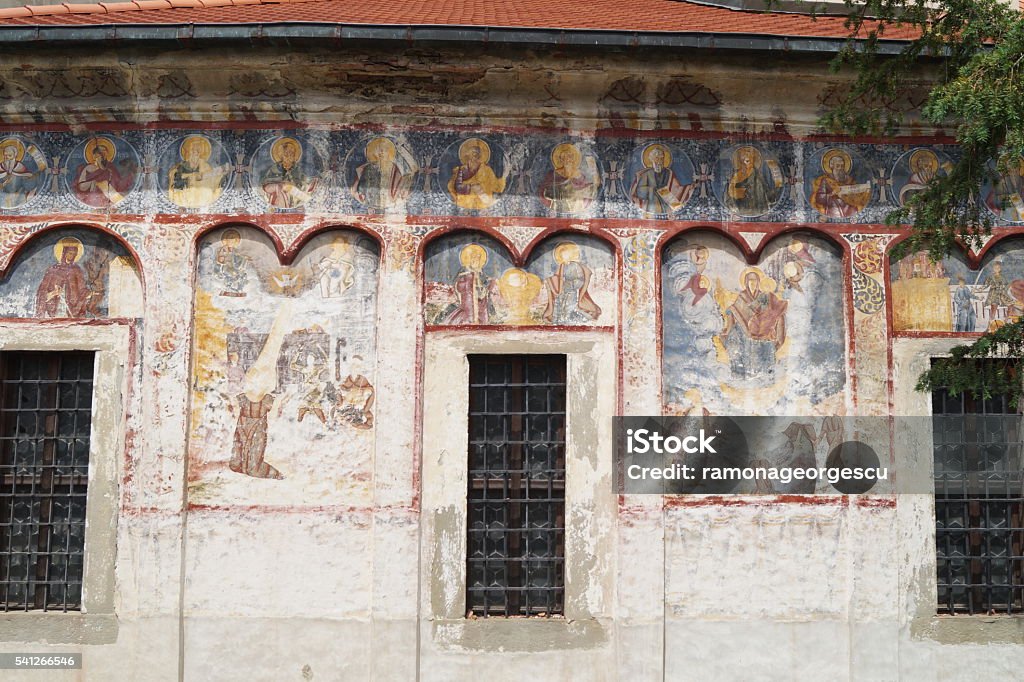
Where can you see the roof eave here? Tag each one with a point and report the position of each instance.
(310, 32)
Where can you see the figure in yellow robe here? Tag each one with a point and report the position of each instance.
(473, 184)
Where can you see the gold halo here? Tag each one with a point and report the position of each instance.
(796, 245)
(515, 277)
(556, 153)
(474, 143)
(567, 252)
(646, 156)
(792, 269)
(831, 154)
(376, 143)
(757, 271)
(104, 143)
(231, 236)
(64, 242)
(278, 147)
(758, 159)
(473, 252)
(341, 245)
(13, 142)
(205, 147)
(923, 153)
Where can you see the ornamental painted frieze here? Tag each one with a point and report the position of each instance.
(473, 173)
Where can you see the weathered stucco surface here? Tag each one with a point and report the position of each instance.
(280, 464)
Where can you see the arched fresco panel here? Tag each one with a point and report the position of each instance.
(948, 296)
(283, 386)
(752, 340)
(569, 280)
(72, 273)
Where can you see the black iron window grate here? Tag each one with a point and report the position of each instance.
(516, 498)
(979, 505)
(45, 420)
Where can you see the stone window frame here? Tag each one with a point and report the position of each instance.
(911, 357)
(96, 622)
(590, 501)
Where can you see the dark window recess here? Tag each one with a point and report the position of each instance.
(516, 499)
(979, 505)
(45, 414)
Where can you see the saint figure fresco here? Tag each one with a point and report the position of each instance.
(755, 326)
(836, 193)
(106, 177)
(657, 189)
(286, 182)
(63, 291)
(573, 181)
(754, 184)
(473, 184)
(336, 269)
(22, 171)
(381, 182)
(250, 440)
(1005, 197)
(198, 178)
(569, 302)
(231, 265)
(924, 166)
(472, 288)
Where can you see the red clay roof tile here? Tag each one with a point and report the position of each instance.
(669, 16)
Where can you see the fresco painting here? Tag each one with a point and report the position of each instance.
(914, 170)
(662, 179)
(72, 274)
(568, 280)
(283, 389)
(948, 296)
(23, 172)
(750, 180)
(569, 179)
(194, 171)
(103, 171)
(741, 338)
(838, 183)
(1004, 196)
(286, 172)
(477, 173)
(381, 175)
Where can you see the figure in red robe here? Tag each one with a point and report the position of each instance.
(63, 291)
(251, 438)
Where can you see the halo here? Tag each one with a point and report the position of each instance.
(466, 256)
(567, 252)
(923, 153)
(63, 243)
(757, 271)
(341, 245)
(477, 143)
(104, 143)
(514, 277)
(278, 147)
(758, 159)
(16, 143)
(577, 155)
(231, 235)
(792, 269)
(646, 156)
(376, 143)
(205, 147)
(832, 153)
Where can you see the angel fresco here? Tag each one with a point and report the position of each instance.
(657, 189)
(286, 183)
(836, 193)
(22, 171)
(106, 176)
(194, 181)
(386, 178)
(573, 181)
(473, 184)
(755, 183)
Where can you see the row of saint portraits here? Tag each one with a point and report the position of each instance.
(659, 179)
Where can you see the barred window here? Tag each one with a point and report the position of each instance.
(979, 505)
(45, 419)
(516, 496)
